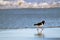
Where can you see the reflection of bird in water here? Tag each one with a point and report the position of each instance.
(40, 25)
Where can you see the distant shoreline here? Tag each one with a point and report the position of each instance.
(30, 8)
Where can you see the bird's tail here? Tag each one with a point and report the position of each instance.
(35, 24)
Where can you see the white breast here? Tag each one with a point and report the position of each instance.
(40, 26)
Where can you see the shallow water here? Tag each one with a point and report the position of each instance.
(30, 34)
(18, 18)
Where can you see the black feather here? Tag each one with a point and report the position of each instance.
(40, 23)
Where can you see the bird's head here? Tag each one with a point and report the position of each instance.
(43, 21)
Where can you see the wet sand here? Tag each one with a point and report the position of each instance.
(30, 34)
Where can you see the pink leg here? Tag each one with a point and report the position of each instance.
(41, 30)
(37, 29)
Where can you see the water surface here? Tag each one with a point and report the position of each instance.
(30, 34)
(18, 18)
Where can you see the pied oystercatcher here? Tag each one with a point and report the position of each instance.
(40, 25)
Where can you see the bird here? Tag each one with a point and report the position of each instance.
(40, 25)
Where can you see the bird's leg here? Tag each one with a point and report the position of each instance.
(41, 30)
(38, 30)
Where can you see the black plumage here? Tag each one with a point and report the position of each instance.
(40, 23)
